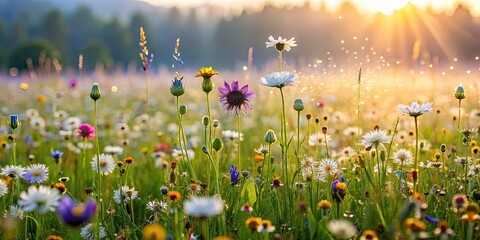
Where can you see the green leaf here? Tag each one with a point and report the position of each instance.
(249, 191)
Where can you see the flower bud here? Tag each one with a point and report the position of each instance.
(205, 120)
(298, 105)
(460, 93)
(270, 136)
(205, 149)
(13, 123)
(309, 116)
(182, 109)
(217, 144)
(443, 148)
(207, 84)
(215, 123)
(324, 130)
(382, 156)
(177, 89)
(95, 93)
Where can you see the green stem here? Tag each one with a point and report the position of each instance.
(416, 153)
(280, 61)
(217, 186)
(238, 144)
(14, 147)
(148, 112)
(298, 139)
(470, 231)
(99, 173)
(457, 138)
(209, 145)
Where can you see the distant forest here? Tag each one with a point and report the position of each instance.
(224, 42)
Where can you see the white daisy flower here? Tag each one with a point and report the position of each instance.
(328, 166)
(263, 149)
(71, 123)
(126, 193)
(341, 229)
(16, 212)
(279, 79)
(280, 44)
(3, 188)
(12, 171)
(36, 173)
(203, 206)
(415, 109)
(156, 206)
(308, 164)
(402, 156)
(32, 113)
(463, 160)
(113, 150)
(37, 123)
(375, 138)
(89, 232)
(106, 162)
(474, 170)
(43, 199)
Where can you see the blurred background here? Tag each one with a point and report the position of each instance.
(223, 33)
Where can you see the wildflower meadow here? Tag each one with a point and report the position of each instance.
(354, 150)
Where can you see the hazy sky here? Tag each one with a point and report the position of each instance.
(365, 6)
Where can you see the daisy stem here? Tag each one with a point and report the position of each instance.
(285, 152)
(239, 142)
(470, 231)
(131, 212)
(148, 111)
(280, 60)
(416, 153)
(326, 145)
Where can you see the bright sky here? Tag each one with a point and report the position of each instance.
(366, 6)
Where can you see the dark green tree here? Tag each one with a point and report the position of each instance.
(32, 49)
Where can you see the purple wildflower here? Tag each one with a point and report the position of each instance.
(86, 130)
(235, 99)
(75, 214)
(234, 175)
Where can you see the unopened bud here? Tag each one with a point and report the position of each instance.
(298, 105)
(205, 120)
(182, 109)
(460, 93)
(270, 137)
(217, 144)
(95, 93)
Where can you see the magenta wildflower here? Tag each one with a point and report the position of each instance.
(235, 99)
(86, 130)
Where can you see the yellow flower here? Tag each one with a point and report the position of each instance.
(324, 204)
(341, 186)
(206, 72)
(475, 149)
(154, 231)
(24, 86)
(173, 195)
(41, 98)
(369, 235)
(253, 223)
(222, 238)
(258, 157)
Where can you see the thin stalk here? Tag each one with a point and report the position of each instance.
(209, 145)
(457, 138)
(280, 61)
(298, 139)
(416, 142)
(148, 112)
(99, 173)
(14, 147)
(239, 143)
(217, 185)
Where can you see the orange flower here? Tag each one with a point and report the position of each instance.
(174, 195)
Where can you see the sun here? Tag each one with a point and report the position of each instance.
(385, 6)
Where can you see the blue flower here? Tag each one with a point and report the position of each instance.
(234, 175)
(75, 214)
(56, 154)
